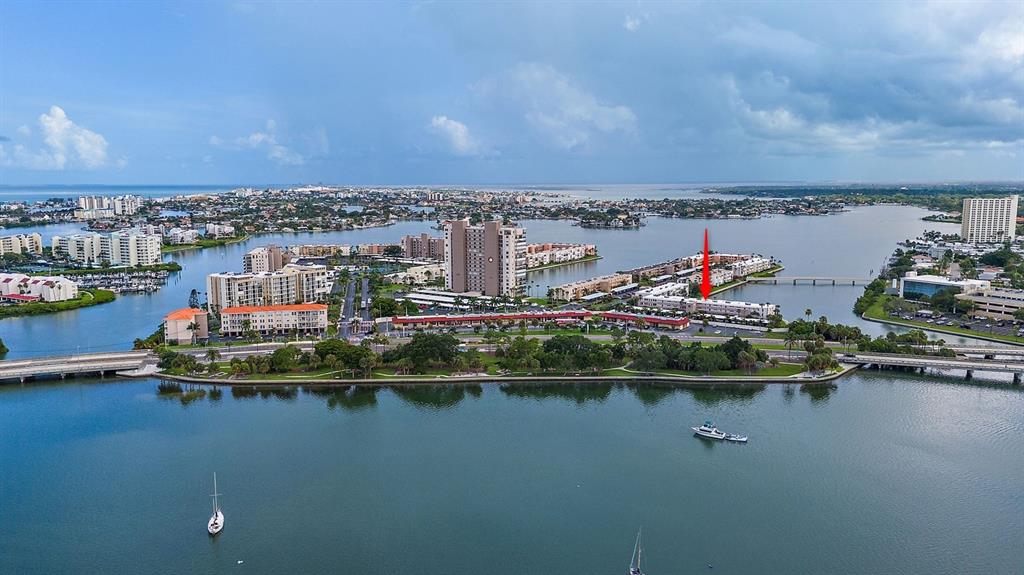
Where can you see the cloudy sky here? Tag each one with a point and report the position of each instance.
(241, 93)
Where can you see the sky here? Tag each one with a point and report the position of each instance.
(475, 93)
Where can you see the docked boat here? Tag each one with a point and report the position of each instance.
(638, 550)
(735, 438)
(709, 431)
(216, 522)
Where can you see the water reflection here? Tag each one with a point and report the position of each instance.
(579, 392)
(347, 397)
(715, 394)
(818, 392)
(436, 397)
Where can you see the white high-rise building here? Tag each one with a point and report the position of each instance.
(119, 205)
(989, 220)
(21, 243)
(291, 284)
(129, 248)
(489, 258)
(264, 259)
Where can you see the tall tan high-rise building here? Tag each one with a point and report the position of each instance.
(989, 220)
(423, 246)
(264, 259)
(489, 258)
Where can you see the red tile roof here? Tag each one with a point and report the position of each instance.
(291, 307)
(183, 313)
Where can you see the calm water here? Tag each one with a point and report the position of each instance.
(853, 243)
(885, 474)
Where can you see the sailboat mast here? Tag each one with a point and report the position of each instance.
(639, 548)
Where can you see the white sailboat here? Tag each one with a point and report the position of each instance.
(216, 522)
(638, 551)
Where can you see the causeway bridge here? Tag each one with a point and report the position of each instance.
(970, 365)
(62, 366)
(812, 280)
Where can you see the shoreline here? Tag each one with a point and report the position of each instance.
(560, 264)
(683, 380)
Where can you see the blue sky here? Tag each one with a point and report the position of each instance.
(176, 93)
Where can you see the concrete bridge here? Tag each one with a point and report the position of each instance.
(986, 351)
(813, 280)
(100, 363)
(970, 365)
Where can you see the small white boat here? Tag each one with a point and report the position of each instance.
(708, 430)
(638, 550)
(216, 522)
(735, 438)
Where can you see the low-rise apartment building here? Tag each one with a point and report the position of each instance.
(320, 250)
(186, 326)
(182, 236)
(216, 231)
(23, 288)
(308, 318)
(21, 244)
(554, 253)
(576, 290)
(419, 275)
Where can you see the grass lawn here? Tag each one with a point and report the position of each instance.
(877, 311)
(783, 370)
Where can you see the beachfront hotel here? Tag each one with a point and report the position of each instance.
(289, 285)
(307, 318)
(489, 258)
(989, 220)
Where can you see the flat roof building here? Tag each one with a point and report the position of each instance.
(489, 258)
(989, 220)
(929, 285)
(309, 318)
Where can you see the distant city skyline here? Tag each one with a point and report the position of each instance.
(506, 94)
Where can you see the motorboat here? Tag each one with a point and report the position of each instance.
(709, 431)
(735, 438)
(638, 550)
(216, 522)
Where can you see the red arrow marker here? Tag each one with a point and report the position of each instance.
(705, 276)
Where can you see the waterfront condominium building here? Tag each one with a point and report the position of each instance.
(186, 326)
(129, 248)
(424, 247)
(303, 318)
(21, 244)
(989, 220)
(21, 288)
(289, 285)
(489, 258)
(264, 259)
(119, 205)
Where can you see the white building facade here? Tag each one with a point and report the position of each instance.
(989, 220)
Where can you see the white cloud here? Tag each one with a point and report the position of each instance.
(457, 135)
(267, 141)
(556, 107)
(632, 23)
(65, 145)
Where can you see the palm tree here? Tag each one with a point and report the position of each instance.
(212, 354)
(193, 328)
(791, 340)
